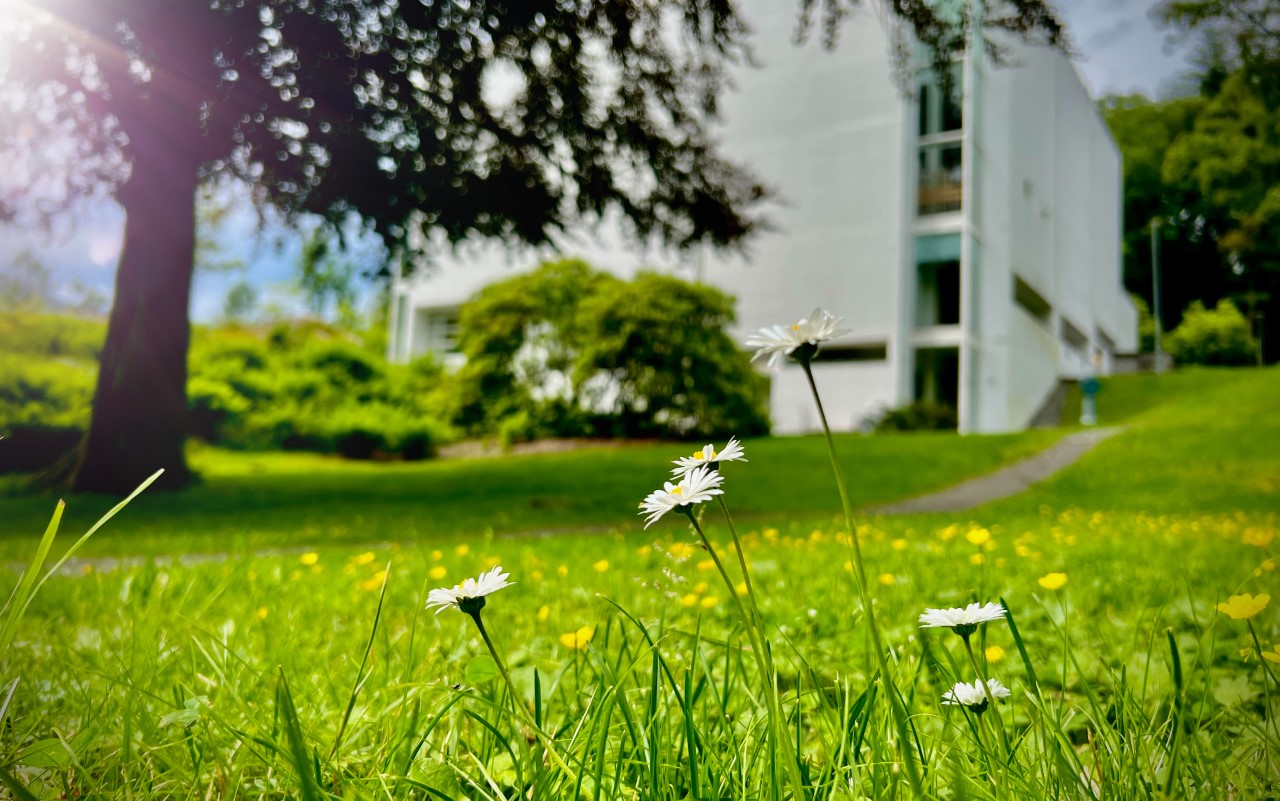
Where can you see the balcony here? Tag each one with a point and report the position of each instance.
(941, 186)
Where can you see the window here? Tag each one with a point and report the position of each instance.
(937, 376)
(941, 178)
(941, 120)
(1073, 336)
(1031, 301)
(940, 114)
(437, 330)
(868, 352)
(937, 280)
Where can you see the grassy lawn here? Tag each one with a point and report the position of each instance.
(290, 500)
(234, 678)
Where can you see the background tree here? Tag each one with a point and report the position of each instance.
(383, 110)
(567, 350)
(1208, 167)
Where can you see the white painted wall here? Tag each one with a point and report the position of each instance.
(832, 135)
(1050, 214)
(823, 129)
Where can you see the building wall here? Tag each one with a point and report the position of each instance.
(832, 134)
(823, 130)
(1050, 215)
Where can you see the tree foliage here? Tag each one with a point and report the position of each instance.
(566, 350)
(1208, 168)
(1218, 336)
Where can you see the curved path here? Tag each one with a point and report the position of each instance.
(1006, 481)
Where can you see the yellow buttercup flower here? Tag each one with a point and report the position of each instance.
(1053, 581)
(681, 550)
(741, 588)
(562, 571)
(438, 572)
(977, 558)
(462, 550)
(1273, 655)
(1243, 607)
(309, 558)
(898, 545)
(261, 614)
(544, 612)
(978, 536)
(888, 579)
(601, 566)
(375, 582)
(364, 558)
(707, 564)
(689, 600)
(709, 602)
(994, 653)
(1260, 537)
(578, 640)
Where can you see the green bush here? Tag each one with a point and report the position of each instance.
(569, 351)
(317, 392)
(54, 335)
(298, 387)
(918, 416)
(656, 361)
(1217, 337)
(36, 391)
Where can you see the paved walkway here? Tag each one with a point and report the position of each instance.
(1006, 481)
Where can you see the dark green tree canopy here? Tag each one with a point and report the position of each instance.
(381, 108)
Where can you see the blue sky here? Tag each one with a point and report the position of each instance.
(1120, 47)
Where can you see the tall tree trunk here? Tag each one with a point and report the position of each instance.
(139, 421)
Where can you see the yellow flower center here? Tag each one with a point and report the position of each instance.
(678, 491)
(697, 454)
(795, 327)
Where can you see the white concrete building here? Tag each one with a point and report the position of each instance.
(971, 246)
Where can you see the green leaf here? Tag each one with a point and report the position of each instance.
(1234, 690)
(437, 775)
(481, 669)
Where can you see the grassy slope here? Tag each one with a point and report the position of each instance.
(1198, 441)
(255, 500)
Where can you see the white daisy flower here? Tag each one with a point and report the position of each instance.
(709, 456)
(782, 340)
(700, 484)
(469, 595)
(975, 695)
(963, 621)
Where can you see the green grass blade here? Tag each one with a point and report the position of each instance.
(364, 660)
(19, 792)
(102, 521)
(16, 607)
(1022, 648)
(308, 787)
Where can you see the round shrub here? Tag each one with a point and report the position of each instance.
(918, 416)
(1212, 337)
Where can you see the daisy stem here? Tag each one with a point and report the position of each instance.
(860, 575)
(757, 620)
(1265, 669)
(764, 663)
(986, 691)
(742, 562)
(515, 698)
